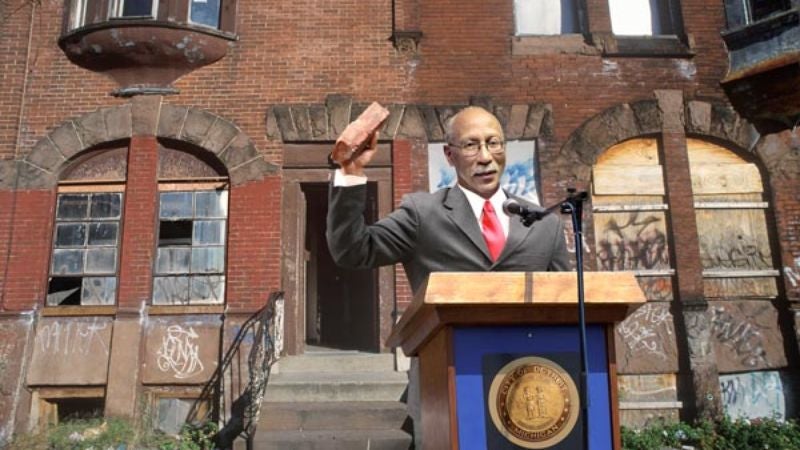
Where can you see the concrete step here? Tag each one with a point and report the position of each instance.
(285, 416)
(333, 440)
(336, 387)
(333, 361)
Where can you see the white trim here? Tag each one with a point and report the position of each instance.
(731, 205)
(651, 405)
(627, 208)
(740, 273)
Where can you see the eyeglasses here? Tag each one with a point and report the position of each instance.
(472, 148)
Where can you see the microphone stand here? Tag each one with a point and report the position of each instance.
(573, 205)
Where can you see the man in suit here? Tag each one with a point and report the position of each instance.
(462, 228)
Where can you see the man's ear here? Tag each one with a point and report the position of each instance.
(448, 153)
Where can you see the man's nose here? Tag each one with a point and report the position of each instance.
(484, 155)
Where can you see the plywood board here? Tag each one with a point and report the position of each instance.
(704, 152)
(740, 287)
(181, 350)
(628, 180)
(634, 151)
(631, 241)
(733, 239)
(725, 179)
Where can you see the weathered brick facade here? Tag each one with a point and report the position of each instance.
(298, 72)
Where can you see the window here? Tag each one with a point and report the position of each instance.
(744, 12)
(205, 12)
(546, 17)
(77, 14)
(132, 8)
(190, 260)
(172, 413)
(83, 268)
(642, 17)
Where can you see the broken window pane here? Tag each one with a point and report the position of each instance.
(101, 260)
(211, 204)
(73, 206)
(67, 262)
(209, 232)
(70, 235)
(545, 17)
(208, 260)
(176, 205)
(172, 260)
(175, 232)
(103, 233)
(170, 290)
(99, 290)
(106, 206)
(207, 289)
(64, 291)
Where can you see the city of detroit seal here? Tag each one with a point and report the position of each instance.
(533, 402)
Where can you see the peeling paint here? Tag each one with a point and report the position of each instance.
(687, 69)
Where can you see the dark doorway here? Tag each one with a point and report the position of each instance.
(341, 304)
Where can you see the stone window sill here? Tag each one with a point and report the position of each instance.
(666, 46)
(548, 45)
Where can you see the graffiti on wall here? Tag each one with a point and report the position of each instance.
(755, 394)
(647, 330)
(731, 247)
(741, 336)
(793, 273)
(631, 241)
(72, 338)
(179, 352)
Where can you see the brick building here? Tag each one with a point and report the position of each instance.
(163, 169)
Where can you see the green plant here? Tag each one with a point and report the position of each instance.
(113, 433)
(725, 434)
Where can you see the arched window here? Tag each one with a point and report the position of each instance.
(192, 229)
(87, 230)
(731, 223)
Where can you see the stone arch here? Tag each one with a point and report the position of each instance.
(702, 119)
(324, 122)
(143, 117)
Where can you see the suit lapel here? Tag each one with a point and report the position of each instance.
(517, 233)
(460, 213)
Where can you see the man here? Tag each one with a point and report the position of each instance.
(462, 228)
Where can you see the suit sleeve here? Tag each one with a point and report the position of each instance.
(560, 260)
(354, 244)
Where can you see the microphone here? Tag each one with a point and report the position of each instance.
(528, 215)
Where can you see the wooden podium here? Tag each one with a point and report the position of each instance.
(462, 326)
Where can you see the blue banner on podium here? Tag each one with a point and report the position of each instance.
(485, 361)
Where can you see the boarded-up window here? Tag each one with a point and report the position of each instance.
(630, 223)
(731, 223)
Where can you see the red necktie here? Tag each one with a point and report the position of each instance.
(492, 231)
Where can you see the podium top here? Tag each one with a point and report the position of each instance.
(513, 298)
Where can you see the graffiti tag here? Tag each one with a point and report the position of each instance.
(742, 337)
(72, 338)
(179, 352)
(640, 331)
(753, 395)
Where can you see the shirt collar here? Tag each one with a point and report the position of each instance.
(476, 201)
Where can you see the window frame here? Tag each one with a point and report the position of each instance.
(89, 189)
(193, 187)
(116, 8)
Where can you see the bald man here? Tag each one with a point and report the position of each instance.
(462, 228)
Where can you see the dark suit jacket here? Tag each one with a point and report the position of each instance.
(436, 232)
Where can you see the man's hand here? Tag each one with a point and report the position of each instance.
(355, 160)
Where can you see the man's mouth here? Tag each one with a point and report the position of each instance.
(485, 174)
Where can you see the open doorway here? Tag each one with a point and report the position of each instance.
(341, 305)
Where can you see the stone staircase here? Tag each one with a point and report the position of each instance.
(334, 400)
